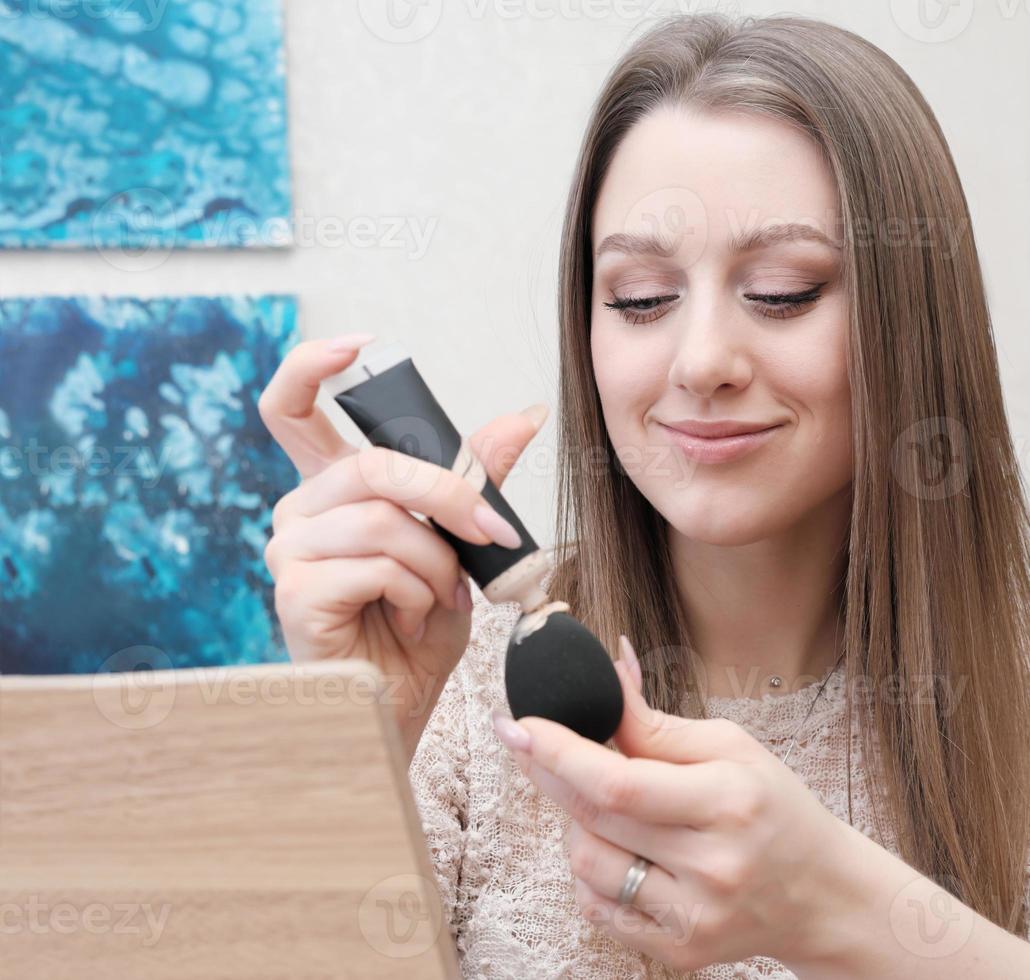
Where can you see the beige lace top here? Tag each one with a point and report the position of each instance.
(496, 842)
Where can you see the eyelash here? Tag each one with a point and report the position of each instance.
(783, 303)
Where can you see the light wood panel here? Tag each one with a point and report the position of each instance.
(241, 822)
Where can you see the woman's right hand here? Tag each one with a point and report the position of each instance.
(356, 574)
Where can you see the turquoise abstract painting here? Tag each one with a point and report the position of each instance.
(143, 124)
(137, 481)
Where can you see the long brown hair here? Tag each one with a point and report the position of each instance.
(938, 574)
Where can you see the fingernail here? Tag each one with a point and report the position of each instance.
(462, 597)
(630, 656)
(536, 414)
(510, 732)
(419, 633)
(496, 527)
(350, 341)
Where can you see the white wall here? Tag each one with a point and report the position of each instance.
(471, 133)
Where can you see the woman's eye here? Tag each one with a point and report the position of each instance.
(780, 305)
(646, 309)
(642, 309)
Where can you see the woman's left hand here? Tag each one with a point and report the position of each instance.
(746, 860)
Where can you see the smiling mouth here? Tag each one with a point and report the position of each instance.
(722, 448)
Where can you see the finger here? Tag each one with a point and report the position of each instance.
(603, 866)
(653, 841)
(410, 482)
(605, 912)
(287, 405)
(663, 939)
(645, 731)
(628, 656)
(371, 527)
(499, 444)
(348, 584)
(592, 782)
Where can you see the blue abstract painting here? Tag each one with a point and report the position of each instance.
(143, 124)
(137, 481)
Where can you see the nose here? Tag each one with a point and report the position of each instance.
(709, 353)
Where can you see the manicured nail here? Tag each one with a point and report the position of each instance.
(496, 527)
(630, 656)
(462, 597)
(536, 414)
(419, 633)
(350, 341)
(510, 732)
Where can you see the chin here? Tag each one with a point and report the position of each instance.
(723, 535)
(727, 523)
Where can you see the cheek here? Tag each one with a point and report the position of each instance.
(628, 374)
(604, 351)
(625, 391)
(812, 376)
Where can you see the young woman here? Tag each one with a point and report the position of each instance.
(822, 770)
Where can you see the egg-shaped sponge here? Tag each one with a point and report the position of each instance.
(560, 671)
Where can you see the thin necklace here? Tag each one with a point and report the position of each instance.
(794, 737)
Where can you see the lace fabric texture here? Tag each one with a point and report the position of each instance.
(496, 843)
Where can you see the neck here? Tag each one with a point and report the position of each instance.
(771, 608)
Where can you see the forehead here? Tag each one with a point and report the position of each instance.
(735, 171)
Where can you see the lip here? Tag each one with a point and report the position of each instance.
(716, 430)
(720, 449)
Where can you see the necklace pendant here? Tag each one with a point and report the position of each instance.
(775, 680)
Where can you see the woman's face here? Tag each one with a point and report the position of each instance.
(700, 339)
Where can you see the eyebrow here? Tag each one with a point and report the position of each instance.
(651, 244)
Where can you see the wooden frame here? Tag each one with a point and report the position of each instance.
(235, 822)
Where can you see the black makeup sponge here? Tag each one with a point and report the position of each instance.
(560, 671)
